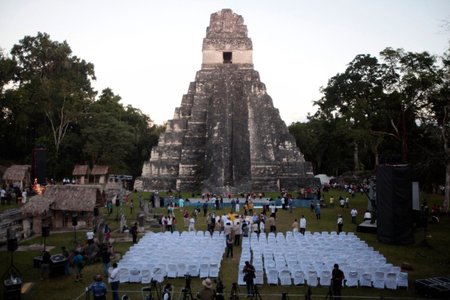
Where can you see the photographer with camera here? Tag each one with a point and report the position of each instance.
(219, 290)
(206, 293)
(249, 276)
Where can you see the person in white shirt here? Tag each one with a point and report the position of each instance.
(354, 213)
(302, 225)
(114, 281)
(191, 224)
(340, 223)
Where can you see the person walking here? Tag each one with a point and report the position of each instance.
(317, 210)
(134, 231)
(114, 281)
(294, 226)
(78, 263)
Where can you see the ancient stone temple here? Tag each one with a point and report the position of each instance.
(226, 136)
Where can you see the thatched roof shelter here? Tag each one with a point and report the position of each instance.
(37, 205)
(80, 170)
(75, 198)
(18, 174)
(99, 170)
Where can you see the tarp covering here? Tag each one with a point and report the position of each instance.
(394, 204)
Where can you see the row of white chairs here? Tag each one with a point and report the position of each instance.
(311, 257)
(157, 256)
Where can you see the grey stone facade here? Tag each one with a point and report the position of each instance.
(226, 136)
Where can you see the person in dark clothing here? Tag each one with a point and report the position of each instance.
(45, 265)
(134, 231)
(230, 243)
(337, 276)
(249, 276)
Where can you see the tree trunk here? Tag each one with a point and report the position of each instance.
(355, 156)
(447, 188)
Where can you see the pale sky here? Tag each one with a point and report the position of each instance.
(148, 51)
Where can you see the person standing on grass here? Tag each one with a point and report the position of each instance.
(317, 211)
(98, 288)
(340, 223)
(337, 276)
(230, 243)
(302, 224)
(249, 276)
(114, 281)
(354, 213)
(294, 226)
(78, 264)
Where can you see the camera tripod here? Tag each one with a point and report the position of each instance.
(186, 293)
(154, 291)
(329, 294)
(256, 294)
(234, 294)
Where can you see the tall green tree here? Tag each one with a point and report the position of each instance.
(53, 83)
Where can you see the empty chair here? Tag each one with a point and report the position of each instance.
(159, 273)
(259, 277)
(204, 270)
(298, 277)
(312, 280)
(365, 279)
(325, 278)
(272, 276)
(171, 270)
(285, 277)
(214, 269)
(124, 275)
(378, 280)
(402, 279)
(193, 269)
(135, 275)
(391, 280)
(352, 279)
(181, 269)
(146, 276)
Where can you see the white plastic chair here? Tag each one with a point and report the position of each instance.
(325, 278)
(379, 280)
(402, 279)
(193, 269)
(312, 280)
(272, 276)
(352, 279)
(135, 275)
(391, 280)
(285, 277)
(259, 277)
(298, 277)
(204, 270)
(124, 275)
(171, 270)
(365, 279)
(146, 276)
(181, 269)
(214, 269)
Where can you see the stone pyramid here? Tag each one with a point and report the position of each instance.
(226, 136)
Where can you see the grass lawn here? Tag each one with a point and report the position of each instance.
(427, 261)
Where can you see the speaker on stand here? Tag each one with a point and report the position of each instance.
(12, 278)
(45, 231)
(75, 224)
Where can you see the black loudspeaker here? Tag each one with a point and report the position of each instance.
(117, 202)
(40, 165)
(45, 230)
(74, 220)
(96, 212)
(12, 244)
(394, 204)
